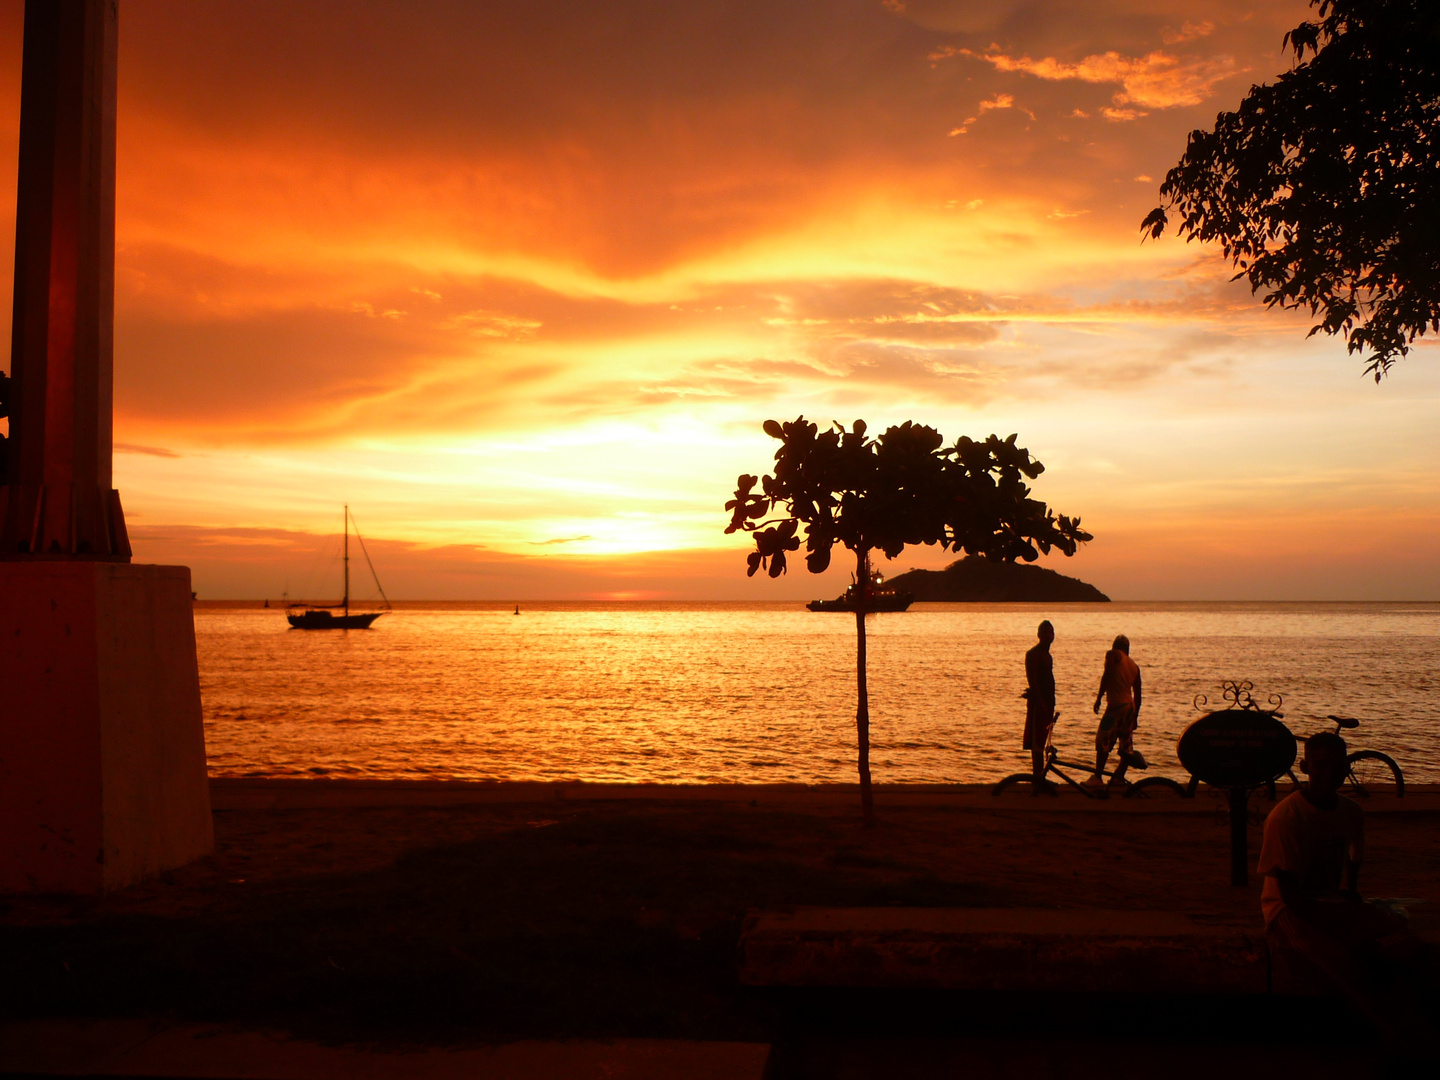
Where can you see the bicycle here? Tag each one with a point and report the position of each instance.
(1148, 787)
(1369, 770)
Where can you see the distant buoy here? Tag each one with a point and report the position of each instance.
(517, 609)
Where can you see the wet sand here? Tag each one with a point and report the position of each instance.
(442, 913)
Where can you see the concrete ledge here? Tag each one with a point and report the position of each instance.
(1084, 951)
(143, 1048)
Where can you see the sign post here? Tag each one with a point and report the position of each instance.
(1238, 749)
(1239, 799)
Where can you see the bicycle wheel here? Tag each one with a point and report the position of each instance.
(1011, 784)
(1156, 787)
(1372, 772)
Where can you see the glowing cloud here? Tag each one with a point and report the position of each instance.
(1157, 80)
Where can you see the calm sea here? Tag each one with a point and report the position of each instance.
(766, 692)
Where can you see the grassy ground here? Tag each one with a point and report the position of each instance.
(564, 919)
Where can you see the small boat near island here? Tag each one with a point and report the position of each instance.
(338, 616)
(878, 597)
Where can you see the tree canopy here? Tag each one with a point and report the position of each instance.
(1323, 187)
(905, 487)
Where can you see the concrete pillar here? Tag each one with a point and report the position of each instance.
(102, 746)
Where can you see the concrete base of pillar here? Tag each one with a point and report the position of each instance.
(102, 744)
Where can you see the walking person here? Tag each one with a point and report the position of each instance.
(1039, 704)
(1120, 689)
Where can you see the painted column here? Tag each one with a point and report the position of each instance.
(61, 502)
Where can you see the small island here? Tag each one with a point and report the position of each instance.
(976, 580)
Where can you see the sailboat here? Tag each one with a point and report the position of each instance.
(323, 616)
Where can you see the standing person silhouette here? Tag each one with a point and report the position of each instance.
(1120, 688)
(1039, 703)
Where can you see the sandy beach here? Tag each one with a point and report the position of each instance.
(423, 914)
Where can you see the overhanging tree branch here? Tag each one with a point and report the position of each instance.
(1323, 188)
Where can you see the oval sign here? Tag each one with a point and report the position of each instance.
(1237, 748)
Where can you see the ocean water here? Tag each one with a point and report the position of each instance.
(766, 692)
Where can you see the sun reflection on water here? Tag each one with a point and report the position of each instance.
(764, 693)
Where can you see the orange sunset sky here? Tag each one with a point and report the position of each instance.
(520, 281)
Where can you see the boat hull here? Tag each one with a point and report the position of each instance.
(882, 602)
(324, 620)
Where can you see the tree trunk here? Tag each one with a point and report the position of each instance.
(862, 708)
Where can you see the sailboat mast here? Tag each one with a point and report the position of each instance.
(347, 560)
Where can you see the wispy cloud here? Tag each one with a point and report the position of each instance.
(150, 451)
(1157, 80)
(999, 101)
(495, 324)
(1189, 31)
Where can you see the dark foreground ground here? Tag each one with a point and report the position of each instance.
(450, 925)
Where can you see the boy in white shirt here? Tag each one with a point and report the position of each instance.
(1314, 844)
(1314, 841)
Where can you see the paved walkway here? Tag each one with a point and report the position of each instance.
(135, 1048)
(1001, 949)
(1120, 1055)
(104, 1049)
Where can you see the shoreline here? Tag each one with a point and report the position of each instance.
(277, 605)
(279, 793)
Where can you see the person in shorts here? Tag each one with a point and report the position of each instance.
(1120, 689)
(1039, 703)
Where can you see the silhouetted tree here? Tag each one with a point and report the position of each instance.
(1323, 188)
(881, 494)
